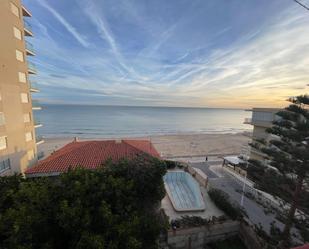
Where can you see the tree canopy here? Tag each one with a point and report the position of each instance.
(285, 175)
(113, 207)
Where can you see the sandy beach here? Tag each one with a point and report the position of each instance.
(171, 146)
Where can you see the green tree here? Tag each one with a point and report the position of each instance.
(113, 207)
(288, 155)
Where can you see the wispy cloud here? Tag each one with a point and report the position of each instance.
(80, 38)
(153, 55)
(103, 29)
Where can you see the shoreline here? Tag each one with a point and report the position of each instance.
(173, 145)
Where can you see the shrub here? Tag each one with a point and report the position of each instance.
(195, 221)
(112, 207)
(222, 200)
(170, 164)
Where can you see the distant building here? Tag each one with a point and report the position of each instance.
(18, 142)
(90, 155)
(262, 118)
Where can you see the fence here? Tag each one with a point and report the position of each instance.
(258, 195)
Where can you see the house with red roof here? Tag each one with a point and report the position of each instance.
(90, 155)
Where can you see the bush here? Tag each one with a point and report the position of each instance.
(195, 221)
(222, 200)
(173, 164)
(112, 207)
(170, 164)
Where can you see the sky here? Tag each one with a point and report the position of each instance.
(195, 53)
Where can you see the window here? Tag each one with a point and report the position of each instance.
(22, 77)
(19, 55)
(3, 143)
(4, 165)
(2, 120)
(26, 117)
(17, 33)
(24, 98)
(14, 9)
(28, 136)
(30, 154)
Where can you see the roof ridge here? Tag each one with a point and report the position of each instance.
(139, 149)
(130, 145)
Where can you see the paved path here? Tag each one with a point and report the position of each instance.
(233, 188)
(205, 168)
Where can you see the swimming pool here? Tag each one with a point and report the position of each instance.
(183, 191)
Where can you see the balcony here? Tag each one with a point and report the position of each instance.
(262, 123)
(29, 49)
(257, 122)
(36, 105)
(37, 123)
(248, 121)
(31, 68)
(33, 86)
(39, 140)
(27, 28)
(26, 12)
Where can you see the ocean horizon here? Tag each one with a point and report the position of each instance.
(107, 121)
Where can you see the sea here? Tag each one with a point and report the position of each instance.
(88, 121)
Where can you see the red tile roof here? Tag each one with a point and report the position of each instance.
(90, 155)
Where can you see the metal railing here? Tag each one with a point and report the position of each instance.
(27, 25)
(39, 139)
(41, 154)
(31, 67)
(30, 47)
(248, 120)
(33, 85)
(35, 104)
(36, 122)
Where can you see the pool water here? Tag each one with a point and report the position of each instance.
(183, 191)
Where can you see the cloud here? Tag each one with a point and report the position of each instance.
(80, 38)
(277, 55)
(58, 76)
(160, 66)
(104, 31)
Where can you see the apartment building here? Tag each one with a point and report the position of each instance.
(262, 119)
(18, 141)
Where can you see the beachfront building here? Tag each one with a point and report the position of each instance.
(18, 142)
(90, 155)
(262, 118)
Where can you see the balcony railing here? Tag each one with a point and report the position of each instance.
(248, 121)
(41, 154)
(29, 48)
(28, 28)
(26, 12)
(37, 123)
(36, 105)
(261, 122)
(39, 140)
(33, 86)
(31, 68)
(258, 122)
